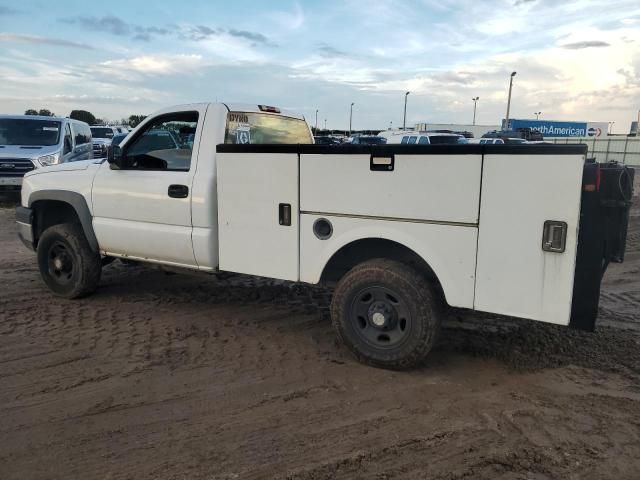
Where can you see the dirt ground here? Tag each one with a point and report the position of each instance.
(161, 376)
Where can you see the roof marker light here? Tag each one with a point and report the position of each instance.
(267, 108)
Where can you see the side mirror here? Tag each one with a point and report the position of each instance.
(115, 157)
(67, 145)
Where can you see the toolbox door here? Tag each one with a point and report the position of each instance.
(527, 238)
(258, 214)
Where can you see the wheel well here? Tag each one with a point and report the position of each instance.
(47, 213)
(365, 249)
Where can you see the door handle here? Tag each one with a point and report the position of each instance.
(178, 191)
(284, 214)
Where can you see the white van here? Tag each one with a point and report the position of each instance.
(28, 142)
(423, 138)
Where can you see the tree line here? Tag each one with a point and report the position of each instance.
(88, 117)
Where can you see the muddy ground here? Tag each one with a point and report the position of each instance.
(162, 376)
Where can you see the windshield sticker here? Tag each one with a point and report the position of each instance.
(238, 117)
(50, 129)
(243, 136)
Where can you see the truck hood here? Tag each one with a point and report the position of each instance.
(64, 167)
(19, 151)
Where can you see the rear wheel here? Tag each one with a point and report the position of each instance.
(386, 313)
(67, 264)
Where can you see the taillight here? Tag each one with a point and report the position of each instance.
(267, 108)
(592, 183)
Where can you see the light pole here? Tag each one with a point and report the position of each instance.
(537, 114)
(506, 122)
(316, 121)
(404, 121)
(475, 103)
(350, 116)
(325, 124)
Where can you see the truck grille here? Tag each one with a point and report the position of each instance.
(98, 152)
(15, 167)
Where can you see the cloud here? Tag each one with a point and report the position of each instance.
(116, 26)
(517, 3)
(253, 36)
(327, 50)
(585, 44)
(8, 11)
(96, 99)
(149, 65)
(199, 33)
(35, 39)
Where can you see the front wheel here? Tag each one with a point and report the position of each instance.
(386, 313)
(67, 264)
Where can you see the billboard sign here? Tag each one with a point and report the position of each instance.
(550, 128)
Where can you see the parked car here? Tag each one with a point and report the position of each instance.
(326, 140)
(368, 140)
(102, 137)
(28, 142)
(118, 138)
(520, 133)
(426, 138)
(487, 141)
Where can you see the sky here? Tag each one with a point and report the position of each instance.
(575, 60)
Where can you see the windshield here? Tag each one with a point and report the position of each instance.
(258, 128)
(32, 133)
(101, 132)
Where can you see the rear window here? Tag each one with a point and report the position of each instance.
(258, 128)
(31, 133)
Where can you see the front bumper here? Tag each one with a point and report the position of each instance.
(11, 183)
(24, 219)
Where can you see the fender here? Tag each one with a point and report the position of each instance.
(79, 204)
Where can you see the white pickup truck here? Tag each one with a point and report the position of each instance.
(402, 231)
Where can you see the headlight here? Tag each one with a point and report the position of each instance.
(48, 160)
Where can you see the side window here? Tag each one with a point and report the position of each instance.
(68, 142)
(79, 134)
(412, 140)
(404, 140)
(423, 141)
(166, 143)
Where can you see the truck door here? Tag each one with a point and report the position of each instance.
(258, 213)
(144, 209)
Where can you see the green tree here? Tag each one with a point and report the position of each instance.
(46, 113)
(31, 111)
(134, 120)
(83, 116)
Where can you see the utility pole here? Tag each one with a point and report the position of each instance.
(325, 123)
(316, 121)
(506, 122)
(537, 114)
(475, 103)
(404, 121)
(350, 116)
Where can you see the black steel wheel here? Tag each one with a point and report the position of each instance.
(387, 313)
(67, 264)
